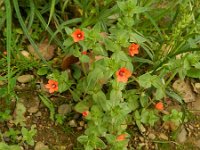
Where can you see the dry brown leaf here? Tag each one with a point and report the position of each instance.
(46, 50)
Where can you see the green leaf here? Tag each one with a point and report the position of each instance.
(84, 59)
(133, 102)
(68, 30)
(68, 43)
(4, 146)
(49, 105)
(63, 82)
(53, 3)
(144, 100)
(28, 134)
(93, 77)
(99, 143)
(136, 38)
(83, 139)
(100, 99)
(42, 71)
(174, 116)
(110, 138)
(160, 93)
(174, 95)
(193, 73)
(20, 112)
(144, 116)
(115, 97)
(120, 56)
(99, 50)
(148, 117)
(76, 72)
(145, 80)
(82, 106)
(110, 45)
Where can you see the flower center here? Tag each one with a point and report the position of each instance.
(121, 73)
(79, 35)
(53, 85)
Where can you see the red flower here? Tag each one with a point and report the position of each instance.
(159, 106)
(78, 35)
(133, 49)
(123, 74)
(52, 86)
(121, 137)
(84, 52)
(85, 113)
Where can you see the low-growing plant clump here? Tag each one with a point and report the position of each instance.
(114, 62)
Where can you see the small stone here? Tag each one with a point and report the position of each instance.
(72, 123)
(25, 78)
(61, 147)
(79, 128)
(33, 109)
(82, 123)
(25, 54)
(64, 109)
(197, 87)
(41, 146)
(191, 127)
(185, 90)
(38, 114)
(163, 136)
(182, 136)
(21, 148)
(142, 128)
(151, 136)
(141, 139)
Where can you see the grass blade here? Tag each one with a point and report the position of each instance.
(53, 2)
(49, 105)
(25, 30)
(8, 40)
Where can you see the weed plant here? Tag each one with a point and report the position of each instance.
(129, 52)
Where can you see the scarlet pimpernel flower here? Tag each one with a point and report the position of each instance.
(84, 52)
(159, 106)
(78, 35)
(133, 49)
(52, 86)
(123, 74)
(121, 137)
(85, 113)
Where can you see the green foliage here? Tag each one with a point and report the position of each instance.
(13, 134)
(4, 116)
(168, 37)
(49, 105)
(174, 116)
(4, 146)
(19, 114)
(27, 135)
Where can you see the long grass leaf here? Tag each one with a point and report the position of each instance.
(25, 30)
(8, 40)
(49, 105)
(44, 24)
(53, 2)
(154, 24)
